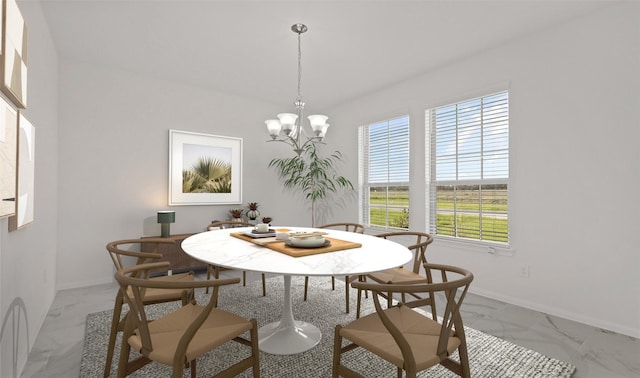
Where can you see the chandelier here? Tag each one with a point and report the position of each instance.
(288, 127)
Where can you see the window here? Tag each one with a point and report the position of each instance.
(384, 173)
(469, 169)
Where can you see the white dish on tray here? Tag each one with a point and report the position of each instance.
(258, 234)
(310, 242)
(271, 231)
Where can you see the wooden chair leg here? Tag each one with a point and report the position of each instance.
(192, 365)
(115, 327)
(358, 300)
(244, 278)
(209, 273)
(306, 285)
(125, 349)
(333, 283)
(212, 271)
(264, 286)
(337, 352)
(255, 352)
(463, 354)
(346, 292)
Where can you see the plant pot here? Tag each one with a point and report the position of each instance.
(253, 214)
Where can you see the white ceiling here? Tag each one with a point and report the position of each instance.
(248, 48)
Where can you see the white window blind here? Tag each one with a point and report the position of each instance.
(469, 152)
(384, 166)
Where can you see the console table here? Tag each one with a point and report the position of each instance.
(173, 253)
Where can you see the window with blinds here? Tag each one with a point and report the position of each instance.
(384, 173)
(469, 169)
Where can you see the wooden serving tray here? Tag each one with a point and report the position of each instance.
(280, 246)
(258, 241)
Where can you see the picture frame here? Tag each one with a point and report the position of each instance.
(192, 158)
(26, 175)
(8, 158)
(13, 61)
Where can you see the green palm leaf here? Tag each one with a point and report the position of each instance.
(314, 176)
(207, 175)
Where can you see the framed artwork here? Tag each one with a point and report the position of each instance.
(13, 62)
(8, 158)
(26, 174)
(204, 169)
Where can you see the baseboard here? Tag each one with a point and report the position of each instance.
(580, 318)
(81, 284)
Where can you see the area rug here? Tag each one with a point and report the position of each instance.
(489, 356)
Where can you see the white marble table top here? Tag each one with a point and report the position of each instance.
(217, 247)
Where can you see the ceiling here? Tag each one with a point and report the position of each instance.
(247, 47)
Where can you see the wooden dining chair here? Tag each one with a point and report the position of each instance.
(417, 243)
(215, 270)
(178, 338)
(406, 338)
(125, 253)
(349, 227)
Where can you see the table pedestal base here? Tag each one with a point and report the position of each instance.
(275, 339)
(288, 336)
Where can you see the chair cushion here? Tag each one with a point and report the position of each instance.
(220, 327)
(421, 333)
(397, 276)
(153, 295)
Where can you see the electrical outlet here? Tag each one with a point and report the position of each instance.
(525, 271)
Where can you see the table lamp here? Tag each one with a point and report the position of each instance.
(165, 218)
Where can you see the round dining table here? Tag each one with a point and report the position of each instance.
(290, 336)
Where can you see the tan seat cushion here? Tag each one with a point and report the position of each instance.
(421, 333)
(397, 276)
(220, 327)
(153, 295)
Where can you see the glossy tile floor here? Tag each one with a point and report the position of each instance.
(596, 353)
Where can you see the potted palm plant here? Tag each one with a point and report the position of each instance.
(314, 176)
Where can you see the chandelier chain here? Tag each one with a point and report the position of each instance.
(299, 69)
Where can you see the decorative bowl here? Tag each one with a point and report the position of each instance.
(308, 241)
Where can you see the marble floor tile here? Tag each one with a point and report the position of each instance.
(596, 353)
(608, 354)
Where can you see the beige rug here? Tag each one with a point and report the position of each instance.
(489, 356)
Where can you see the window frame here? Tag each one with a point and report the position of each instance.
(432, 182)
(364, 179)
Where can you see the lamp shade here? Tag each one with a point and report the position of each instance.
(323, 132)
(287, 120)
(273, 126)
(317, 122)
(166, 216)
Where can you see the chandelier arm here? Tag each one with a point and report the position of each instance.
(294, 127)
(293, 143)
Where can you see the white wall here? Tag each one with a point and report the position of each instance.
(114, 131)
(574, 137)
(28, 256)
